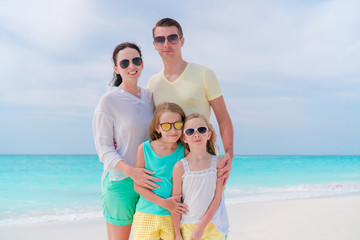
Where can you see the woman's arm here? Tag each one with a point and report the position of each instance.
(172, 204)
(176, 191)
(199, 230)
(103, 126)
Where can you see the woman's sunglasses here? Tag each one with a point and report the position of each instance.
(173, 39)
(167, 126)
(191, 131)
(125, 62)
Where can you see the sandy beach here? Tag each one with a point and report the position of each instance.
(335, 218)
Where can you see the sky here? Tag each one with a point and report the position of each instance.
(289, 70)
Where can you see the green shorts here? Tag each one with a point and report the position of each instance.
(119, 200)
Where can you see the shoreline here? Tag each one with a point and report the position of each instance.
(77, 216)
(334, 218)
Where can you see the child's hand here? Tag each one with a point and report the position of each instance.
(178, 237)
(174, 205)
(197, 233)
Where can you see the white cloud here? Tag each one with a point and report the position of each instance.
(51, 25)
(311, 41)
(53, 97)
(44, 84)
(284, 66)
(268, 111)
(47, 33)
(31, 78)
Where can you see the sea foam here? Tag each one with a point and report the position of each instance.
(74, 216)
(266, 194)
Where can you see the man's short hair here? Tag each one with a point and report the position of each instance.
(168, 22)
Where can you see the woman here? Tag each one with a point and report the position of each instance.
(123, 115)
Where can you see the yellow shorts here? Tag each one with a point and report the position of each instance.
(148, 226)
(210, 232)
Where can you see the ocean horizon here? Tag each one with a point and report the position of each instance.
(39, 188)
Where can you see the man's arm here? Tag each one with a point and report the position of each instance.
(227, 134)
(225, 124)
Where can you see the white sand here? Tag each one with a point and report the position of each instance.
(329, 218)
(313, 219)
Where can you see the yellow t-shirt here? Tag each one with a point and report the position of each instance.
(193, 90)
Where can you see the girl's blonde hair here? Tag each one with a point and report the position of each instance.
(211, 143)
(160, 109)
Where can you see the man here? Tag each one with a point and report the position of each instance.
(194, 87)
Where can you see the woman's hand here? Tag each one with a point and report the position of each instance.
(141, 177)
(174, 205)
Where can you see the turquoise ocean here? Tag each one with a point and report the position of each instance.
(46, 188)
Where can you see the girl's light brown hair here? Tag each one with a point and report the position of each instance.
(211, 143)
(160, 109)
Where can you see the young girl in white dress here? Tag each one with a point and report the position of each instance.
(195, 177)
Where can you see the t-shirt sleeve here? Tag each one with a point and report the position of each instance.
(212, 86)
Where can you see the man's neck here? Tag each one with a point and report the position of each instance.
(174, 68)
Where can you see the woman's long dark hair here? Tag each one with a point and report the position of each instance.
(117, 80)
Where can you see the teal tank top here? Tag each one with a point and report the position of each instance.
(163, 168)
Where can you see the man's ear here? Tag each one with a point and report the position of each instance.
(182, 41)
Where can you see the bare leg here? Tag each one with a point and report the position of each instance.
(116, 232)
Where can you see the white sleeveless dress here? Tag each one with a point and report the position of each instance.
(198, 189)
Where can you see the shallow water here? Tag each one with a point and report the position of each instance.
(42, 188)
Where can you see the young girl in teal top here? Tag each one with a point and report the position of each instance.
(152, 219)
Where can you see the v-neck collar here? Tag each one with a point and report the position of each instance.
(131, 96)
(165, 78)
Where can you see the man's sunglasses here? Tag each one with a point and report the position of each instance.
(191, 131)
(167, 126)
(173, 39)
(125, 62)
